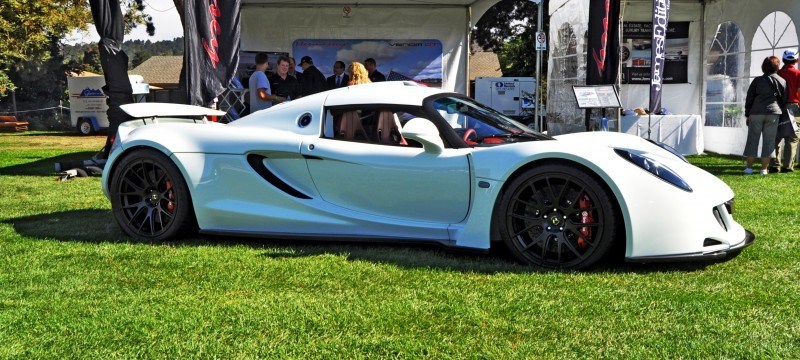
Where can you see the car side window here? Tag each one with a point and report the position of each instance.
(375, 126)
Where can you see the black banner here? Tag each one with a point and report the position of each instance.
(660, 21)
(211, 36)
(110, 24)
(603, 51)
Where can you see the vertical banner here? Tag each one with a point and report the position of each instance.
(660, 22)
(211, 41)
(603, 57)
(110, 24)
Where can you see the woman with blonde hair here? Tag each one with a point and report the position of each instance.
(358, 74)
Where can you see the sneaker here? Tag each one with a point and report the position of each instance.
(787, 170)
(748, 171)
(764, 171)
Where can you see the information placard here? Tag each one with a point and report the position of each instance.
(596, 96)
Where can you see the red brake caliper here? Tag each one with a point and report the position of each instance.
(171, 197)
(585, 203)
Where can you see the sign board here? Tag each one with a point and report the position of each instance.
(541, 41)
(597, 96)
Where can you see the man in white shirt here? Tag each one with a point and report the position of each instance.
(260, 94)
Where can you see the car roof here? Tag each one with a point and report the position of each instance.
(388, 92)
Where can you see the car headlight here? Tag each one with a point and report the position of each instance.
(670, 149)
(654, 167)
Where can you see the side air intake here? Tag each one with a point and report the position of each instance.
(257, 163)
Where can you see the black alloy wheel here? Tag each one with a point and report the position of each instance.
(149, 197)
(557, 217)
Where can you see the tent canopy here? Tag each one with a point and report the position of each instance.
(274, 25)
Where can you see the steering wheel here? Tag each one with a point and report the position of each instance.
(469, 133)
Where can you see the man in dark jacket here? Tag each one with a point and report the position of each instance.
(282, 84)
(339, 77)
(312, 80)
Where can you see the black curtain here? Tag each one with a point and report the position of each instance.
(603, 57)
(110, 26)
(211, 35)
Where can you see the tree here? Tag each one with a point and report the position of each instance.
(509, 28)
(140, 57)
(28, 26)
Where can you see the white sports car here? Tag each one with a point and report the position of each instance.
(400, 162)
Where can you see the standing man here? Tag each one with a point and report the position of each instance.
(339, 78)
(260, 95)
(785, 158)
(372, 69)
(283, 85)
(313, 81)
(293, 69)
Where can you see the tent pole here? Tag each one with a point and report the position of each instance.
(537, 114)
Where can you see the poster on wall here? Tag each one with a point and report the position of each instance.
(635, 53)
(399, 60)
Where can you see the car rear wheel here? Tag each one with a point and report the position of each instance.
(557, 217)
(149, 197)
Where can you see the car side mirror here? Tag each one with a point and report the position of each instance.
(424, 132)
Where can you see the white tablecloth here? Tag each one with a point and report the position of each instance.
(682, 132)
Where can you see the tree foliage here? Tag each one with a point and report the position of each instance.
(509, 29)
(27, 28)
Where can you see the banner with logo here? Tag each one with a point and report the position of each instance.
(211, 39)
(660, 22)
(603, 57)
(636, 53)
(407, 60)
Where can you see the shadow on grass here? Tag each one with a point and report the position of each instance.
(44, 167)
(99, 226)
(63, 133)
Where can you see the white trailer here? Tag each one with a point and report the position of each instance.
(87, 102)
(511, 96)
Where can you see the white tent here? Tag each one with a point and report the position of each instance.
(727, 40)
(273, 25)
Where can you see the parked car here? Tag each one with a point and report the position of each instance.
(400, 162)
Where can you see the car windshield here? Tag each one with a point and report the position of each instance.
(480, 125)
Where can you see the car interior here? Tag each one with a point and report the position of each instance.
(378, 126)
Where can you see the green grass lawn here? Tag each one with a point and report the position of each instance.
(73, 286)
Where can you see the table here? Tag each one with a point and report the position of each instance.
(682, 132)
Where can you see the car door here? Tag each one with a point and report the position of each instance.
(398, 182)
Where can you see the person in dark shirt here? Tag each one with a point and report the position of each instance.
(313, 81)
(283, 84)
(339, 77)
(372, 69)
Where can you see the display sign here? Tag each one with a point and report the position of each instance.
(636, 53)
(596, 96)
(541, 41)
(418, 60)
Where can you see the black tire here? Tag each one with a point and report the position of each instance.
(149, 197)
(557, 217)
(85, 127)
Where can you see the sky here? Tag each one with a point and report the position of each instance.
(165, 18)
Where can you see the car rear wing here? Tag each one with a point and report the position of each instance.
(156, 111)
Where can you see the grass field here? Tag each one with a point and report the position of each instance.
(73, 286)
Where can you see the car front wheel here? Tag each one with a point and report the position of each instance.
(557, 217)
(149, 197)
